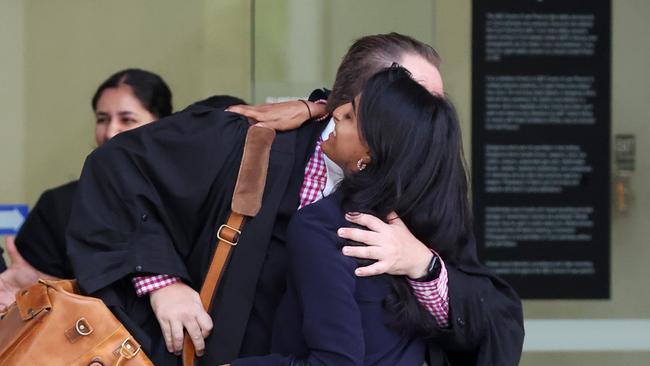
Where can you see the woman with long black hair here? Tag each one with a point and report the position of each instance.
(400, 149)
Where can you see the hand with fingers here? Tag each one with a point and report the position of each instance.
(281, 116)
(20, 274)
(392, 245)
(178, 308)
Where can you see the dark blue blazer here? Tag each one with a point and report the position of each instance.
(328, 316)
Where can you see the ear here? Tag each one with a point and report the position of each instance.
(363, 162)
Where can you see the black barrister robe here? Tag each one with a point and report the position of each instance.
(41, 239)
(486, 325)
(150, 201)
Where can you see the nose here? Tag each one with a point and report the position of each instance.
(113, 129)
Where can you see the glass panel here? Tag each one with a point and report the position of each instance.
(298, 44)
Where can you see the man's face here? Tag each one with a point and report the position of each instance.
(423, 72)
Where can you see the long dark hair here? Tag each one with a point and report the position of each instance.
(150, 89)
(417, 170)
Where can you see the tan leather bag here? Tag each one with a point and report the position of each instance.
(52, 324)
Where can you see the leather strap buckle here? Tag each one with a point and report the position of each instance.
(129, 348)
(234, 234)
(82, 327)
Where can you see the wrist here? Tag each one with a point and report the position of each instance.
(309, 107)
(421, 269)
(318, 110)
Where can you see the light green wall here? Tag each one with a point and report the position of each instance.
(56, 52)
(12, 102)
(452, 39)
(199, 47)
(12, 98)
(299, 43)
(349, 20)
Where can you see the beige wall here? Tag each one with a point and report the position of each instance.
(12, 97)
(452, 39)
(198, 47)
(12, 102)
(299, 43)
(55, 53)
(349, 20)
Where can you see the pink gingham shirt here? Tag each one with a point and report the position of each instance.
(146, 284)
(432, 295)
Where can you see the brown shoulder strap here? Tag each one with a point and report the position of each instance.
(246, 202)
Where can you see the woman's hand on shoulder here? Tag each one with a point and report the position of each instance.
(281, 116)
(178, 307)
(391, 244)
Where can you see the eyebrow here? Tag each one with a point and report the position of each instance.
(121, 113)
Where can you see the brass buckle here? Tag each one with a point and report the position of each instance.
(82, 327)
(226, 240)
(127, 348)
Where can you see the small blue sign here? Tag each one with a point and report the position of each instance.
(11, 218)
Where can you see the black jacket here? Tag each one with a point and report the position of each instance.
(41, 239)
(329, 316)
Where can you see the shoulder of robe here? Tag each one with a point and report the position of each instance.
(64, 189)
(62, 194)
(199, 109)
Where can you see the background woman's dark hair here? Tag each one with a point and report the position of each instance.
(367, 56)
(417, 170)
(150, 89)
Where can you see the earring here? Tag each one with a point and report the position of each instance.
(361, 165)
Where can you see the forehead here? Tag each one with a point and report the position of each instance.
(120, 97)
(424, 72)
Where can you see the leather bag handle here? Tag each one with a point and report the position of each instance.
(246, 202)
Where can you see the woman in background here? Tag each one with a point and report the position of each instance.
(127, 99)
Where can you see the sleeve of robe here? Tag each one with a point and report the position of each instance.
(485, 319)
(146, 196)
(41, 239)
